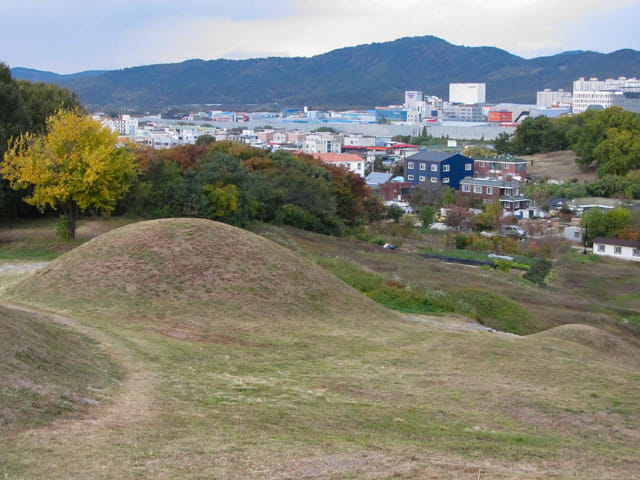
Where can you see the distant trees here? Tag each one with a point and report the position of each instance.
(74, 166)
(612, 223)
(608, 140)
(534, 135)
(236, 184)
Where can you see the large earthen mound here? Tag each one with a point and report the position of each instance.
(176, 268)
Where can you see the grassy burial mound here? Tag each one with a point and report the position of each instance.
(47, 371)
(177, 272)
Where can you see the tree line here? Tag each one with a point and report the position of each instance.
(607, 140)
(237, 184)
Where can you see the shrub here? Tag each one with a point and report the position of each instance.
(539, 271)
(461, 241)
(503, 265)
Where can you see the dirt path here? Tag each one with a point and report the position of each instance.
(81, 444)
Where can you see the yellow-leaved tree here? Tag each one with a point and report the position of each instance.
(75, 166)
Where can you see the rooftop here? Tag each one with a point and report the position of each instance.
(490, 182)
(617, 241)
(338, 157)
(433, 156)
(377, 178)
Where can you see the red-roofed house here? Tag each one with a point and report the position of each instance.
(355, 163)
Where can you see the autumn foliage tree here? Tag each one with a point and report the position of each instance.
(73, 167)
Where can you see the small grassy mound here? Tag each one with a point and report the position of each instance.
(594, 338)
(165, 270)
(47, 370)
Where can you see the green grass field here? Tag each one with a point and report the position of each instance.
(229, 356)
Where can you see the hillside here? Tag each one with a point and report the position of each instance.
(362, 76)
(243, 359)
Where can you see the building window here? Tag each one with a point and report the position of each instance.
(445, 180)
(434, 167)
(481, 164)
(466, 187)
(410, 165)
(423, 166)
(489, 190)
(601, 248)
(576, 234)
(467, 166)
(422, 178)
(635, 252)
(434, 179)
(410, 177)
(617, 250)
(446, 168)
(477, 189)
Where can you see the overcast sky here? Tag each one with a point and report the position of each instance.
(67, 36)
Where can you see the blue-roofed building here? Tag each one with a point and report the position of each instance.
(444, 168)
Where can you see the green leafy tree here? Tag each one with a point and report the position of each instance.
(605, 224)
(43, 100)
(490, 216)
(205, 139)
(75, 166)
(395, 213)
(426, 215)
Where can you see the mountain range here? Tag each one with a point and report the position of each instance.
(353, 77)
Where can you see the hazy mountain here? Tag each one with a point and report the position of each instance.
(49, 77)
(362, 76)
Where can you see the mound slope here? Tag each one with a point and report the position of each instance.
(47, 370)
(172, 268)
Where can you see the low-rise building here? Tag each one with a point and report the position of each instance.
(617, 248)
(388, 187)
(354, 163)
(437, 167)
(323, 143)
(488, 190)
(500, 168)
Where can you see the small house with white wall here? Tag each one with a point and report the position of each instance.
(617, 248)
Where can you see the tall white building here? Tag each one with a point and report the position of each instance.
(412, 98)
(593, 93)
(467, 93)
(550, 98)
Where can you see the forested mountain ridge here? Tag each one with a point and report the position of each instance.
(362, 76)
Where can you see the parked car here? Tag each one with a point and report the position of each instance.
(512, 231)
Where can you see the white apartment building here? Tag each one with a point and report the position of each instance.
(463, 113)
(353, 140)
(126, 125)
(323, 143)
(622, 92)
(550, 98)
(467, 93)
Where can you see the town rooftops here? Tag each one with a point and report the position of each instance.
(431, 156)
(338, 157)
(617, 241)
